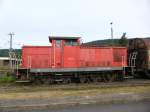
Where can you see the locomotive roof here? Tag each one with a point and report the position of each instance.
(139, 43)
(35, 46)
(63, 37)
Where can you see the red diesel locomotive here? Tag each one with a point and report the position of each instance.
(67, 60)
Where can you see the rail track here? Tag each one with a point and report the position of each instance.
(126, 83)
(17, 87)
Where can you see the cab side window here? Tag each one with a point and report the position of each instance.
(58, 43)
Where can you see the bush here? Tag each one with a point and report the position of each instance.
(7, 79)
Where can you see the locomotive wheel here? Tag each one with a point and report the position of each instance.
(96, 79)
(66, 80)
(110, 77)
(88, 79)
(104, 78)
(23, 77)
(147, 73)
(115, 77)
(38, 81)
(51, 81)
(107, 77)
(82, 80)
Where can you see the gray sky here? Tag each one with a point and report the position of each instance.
(34, 20)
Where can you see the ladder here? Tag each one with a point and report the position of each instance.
(132, 61)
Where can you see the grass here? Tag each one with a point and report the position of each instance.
(6, 75)
(7, 79)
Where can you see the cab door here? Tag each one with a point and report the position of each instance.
(57, 54)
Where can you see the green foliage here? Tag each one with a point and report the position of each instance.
(6, 75)
(7, 79)
(4, 52)
(123, 41)
(106, 42)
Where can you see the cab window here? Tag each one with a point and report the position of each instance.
(58, 43)
(71, 43)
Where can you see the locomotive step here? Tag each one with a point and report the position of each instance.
(58, 80)
(129, 77)
(23, 81)
(58, 74)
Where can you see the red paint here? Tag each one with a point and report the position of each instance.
(67, 56)
(36, 57)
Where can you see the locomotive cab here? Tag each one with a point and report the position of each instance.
(64, 51)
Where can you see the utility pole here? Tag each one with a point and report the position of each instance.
(111, 25)
(11, 34)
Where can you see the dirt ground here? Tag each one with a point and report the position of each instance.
(14, 95)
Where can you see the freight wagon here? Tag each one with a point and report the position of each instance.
(67, 60)
(139, 56)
